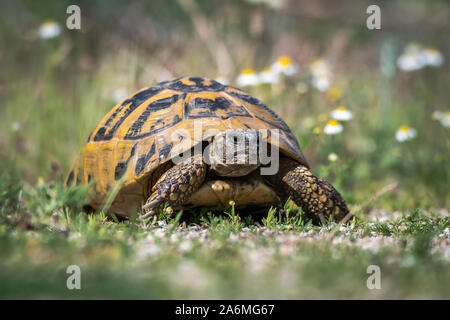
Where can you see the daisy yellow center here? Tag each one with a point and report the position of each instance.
(334, 91)
(414, 46)
(432, 49)
(284, 61)
(333, 123)
(314, 61)
(248, 71)
(266, 69)
(49, 22)
(341, 108)
(404, 128)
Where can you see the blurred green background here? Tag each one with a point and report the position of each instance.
(55, 88)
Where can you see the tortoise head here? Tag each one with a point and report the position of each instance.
(233, 153)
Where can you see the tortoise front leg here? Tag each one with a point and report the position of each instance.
(176, 185)
(315, 196)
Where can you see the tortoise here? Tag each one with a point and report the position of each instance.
(191, 142)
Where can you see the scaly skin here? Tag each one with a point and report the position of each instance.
(318, 198)
(176, 185)
(315, 196)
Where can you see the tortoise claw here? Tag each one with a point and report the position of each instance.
(152, 204)
(151, 208)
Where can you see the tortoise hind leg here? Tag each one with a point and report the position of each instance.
(176, 185)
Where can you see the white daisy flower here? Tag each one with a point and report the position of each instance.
(333, 127)
(15, 126)
(49, 29)
(412, 58)
(342, 114)
(432, 57)
(248, 77)
(284, 65)
(405, 133)
(442, 117)
(410, 61)
(119, 95)
(321, 83)
(445, 119)
(267, 75)
(415, 57)
(222, 80)
(321, 74)
(333, 157)
(319, 67)
(437, 115)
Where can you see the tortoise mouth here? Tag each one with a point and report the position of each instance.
(233, 171)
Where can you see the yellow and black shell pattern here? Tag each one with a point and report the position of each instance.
(141, 134)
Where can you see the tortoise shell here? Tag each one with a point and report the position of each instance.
(135, 141)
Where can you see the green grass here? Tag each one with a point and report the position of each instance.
(55, 91)
(226, 256)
